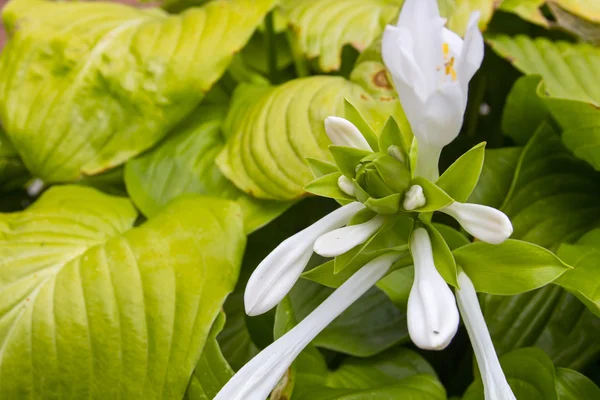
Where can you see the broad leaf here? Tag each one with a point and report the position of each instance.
(496, 176)
(370, 326)
(212, 371)
(459, 180)
(95, 309)
(104, 95)
(273, 131)
(459, 12)
(529, 10)
(554, 197)
(547, 318)
(524, 110)
(584, 280)
(185, 164)
(566, 70)
(321, 28)
(571, 385)
(509, 268)
(530, 374)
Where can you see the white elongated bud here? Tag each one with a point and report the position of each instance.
(339, 241)
(258, 377)
(414, 198)
(485, 223)
(275, 275)
(495, 385)
(346, 185)
(342, 132)
(432, 313)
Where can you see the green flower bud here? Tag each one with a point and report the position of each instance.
(381, 175)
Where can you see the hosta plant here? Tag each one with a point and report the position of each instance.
(316, 199)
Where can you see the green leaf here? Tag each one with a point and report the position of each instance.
(285, 320)
(418, 387)
(353, 114)
(370, 326)
(271, 132)
(185, 164)
(453, 238)
(588, 9)
(397, 284)
(436, 198)
(212, 371)
(442, 256)
(524, 110)
(496, 176)
(96, 308)
(348, 158)
(584, 280)
(571, 385)
(459, 180)
(320, 168)
(459, 13)
(554, 197)
(509, 268)
(566, 69)
(104, 95)
(530, 374)
(321, 28)
(394, 173)
(546, 318)
(529, 10)
(388, 205)
(327, 186)
(391, 135)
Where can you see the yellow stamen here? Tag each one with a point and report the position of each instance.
(450, 69)
(446, 50)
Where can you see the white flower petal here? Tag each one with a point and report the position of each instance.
(422, 19)
(339, 241)
(485, 223)
(279, 271)
(432, 314)
(455, 43)
(472, 54)
(342, 132)
(428, 160)
(494, 382)
(258, 378)
(414, 198)
(443, 117)
(346, 185)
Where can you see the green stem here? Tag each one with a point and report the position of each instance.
(300, 62)
(271, 48)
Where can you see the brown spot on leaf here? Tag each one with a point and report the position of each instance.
(380, 80)
(362, 96)
(386, 98)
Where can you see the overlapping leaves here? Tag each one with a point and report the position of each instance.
(102, 81)
(92, 308)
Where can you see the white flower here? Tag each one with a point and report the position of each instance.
(276, 274)
(339, 241)
(258, 377)
(342, 132)
(494, 382)
(431, 67)
(432, 313)
(346, 185)
(485, 223)
(414, 198)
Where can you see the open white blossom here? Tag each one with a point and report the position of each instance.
(495, 385)
(431, 67)
(257, 378)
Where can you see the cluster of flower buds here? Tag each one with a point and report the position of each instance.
(383, 182)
